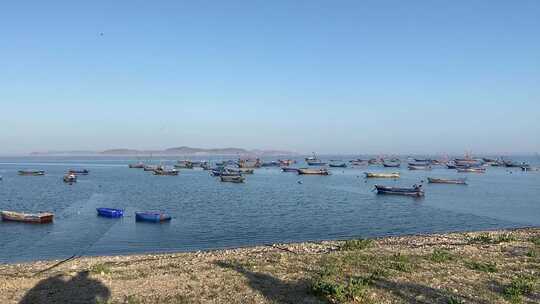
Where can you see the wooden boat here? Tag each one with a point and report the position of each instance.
(151, 216)
(471, 170)
(31, 172)
(164, 171)
(382, 175)
(184, 164)
(138, 165)
(358, 162)
(249, 163)
(288, 169)
(338, 165)
(78, 172)
(286, 162)
(459, 181)
(419, 167)
(414, 191)
(392, 165)
(70, 178)
(232, 178)
(374, 161)
(110, 212)
(308, 171)
(314, 161)
(37, 218)
(150, 167)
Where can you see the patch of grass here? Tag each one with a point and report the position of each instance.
(483, 238)
(505, 238)
(441, 256)
(131, 300)
(454, 300)
(532, 253)
(358, 244)
(353, 289)
(101, 269)
(518, 287)
(535, 240)
(379, 273)
(480, 266)
(400, 262)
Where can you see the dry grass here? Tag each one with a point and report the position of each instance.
(487, 267)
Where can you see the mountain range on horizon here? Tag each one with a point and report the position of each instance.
(183, 150)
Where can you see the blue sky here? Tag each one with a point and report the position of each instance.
(325, 76)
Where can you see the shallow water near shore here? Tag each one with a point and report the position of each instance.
(271, 207)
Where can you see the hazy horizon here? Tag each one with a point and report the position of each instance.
(342, 77)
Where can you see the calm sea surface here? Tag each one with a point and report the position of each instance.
(270, 207)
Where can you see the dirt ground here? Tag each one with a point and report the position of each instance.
(480, 267)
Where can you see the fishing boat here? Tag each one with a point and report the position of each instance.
(338, 165)
(314, 161)
(512, 164)
(31, 172)
(471, 170)
(358, 162)
(249, 163)
(165, 171)
(459, 181)
(286, 162)
(184, 164)
(70, 178)
(419, 167)
(137, 165)
(308, 171)
(151, 216)
(270, 164)
(150, 167)
(232, 178)
(416, 190)
(78, 172)
(37, 218)
(289, 169)
(392, 164)
(110, 212)
(374, 161)
(382, 175)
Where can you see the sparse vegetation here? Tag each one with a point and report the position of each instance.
(357, 244)
(518, 287)
(482, 266)
(535, 240)
(101, 269)
(440, 255)
(454, 300)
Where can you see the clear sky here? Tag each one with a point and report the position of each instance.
(325, 76)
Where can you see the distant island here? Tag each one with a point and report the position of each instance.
(183, 150)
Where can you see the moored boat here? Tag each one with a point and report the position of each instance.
(458, 181)
(70, 178)
(249, 163)
(308, 171)
(419, 167)
(78, 172)
(338, 165)
(232, 178)
(151, 216)
(37, 218)
(391, 164)
(381, 175)
(150, 167)
(270, 164)
(286, 162)
(415, 190)
(289, 169)
(314, 161)
(137, 165)
(110, 212)
(471, 170)
(31, 172)
(184, 164)
(165, 171)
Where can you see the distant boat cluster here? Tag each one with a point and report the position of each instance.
(235, 171)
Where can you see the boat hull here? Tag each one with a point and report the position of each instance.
(37, 218)
(432, 180)
(152, 217)
(307, 171)
(415, 192)
(110, 212)
(382, 175)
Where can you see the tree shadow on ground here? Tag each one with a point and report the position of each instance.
(421, 294)
(79, 289)
(273, 289)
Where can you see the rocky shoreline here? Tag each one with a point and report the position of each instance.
(500, 266)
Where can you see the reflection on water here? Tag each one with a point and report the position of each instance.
(270, 207)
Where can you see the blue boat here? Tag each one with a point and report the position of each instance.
(110, 212)
(152, 216)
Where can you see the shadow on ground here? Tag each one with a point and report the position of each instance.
(273, 289)
(79, 289)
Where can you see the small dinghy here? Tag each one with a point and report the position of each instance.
(31, 172)
(70, 178)
(35, 218)
(163, 171)
(151, 216)
(78, 172)
(459, 181)
(232, 178)
(381, 175)
(307, 171)
(419, 167)
(110, 212)
(471, 170)
(338, 165)
(391, 164)
(416, 190)
(288, 169)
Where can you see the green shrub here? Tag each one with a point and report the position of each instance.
(358, 244)
(101, 269)
(535, 240)
(440, 256)
(504, 238)
(518, 287)
(454, 300)
(483, 238)
(485, 267)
